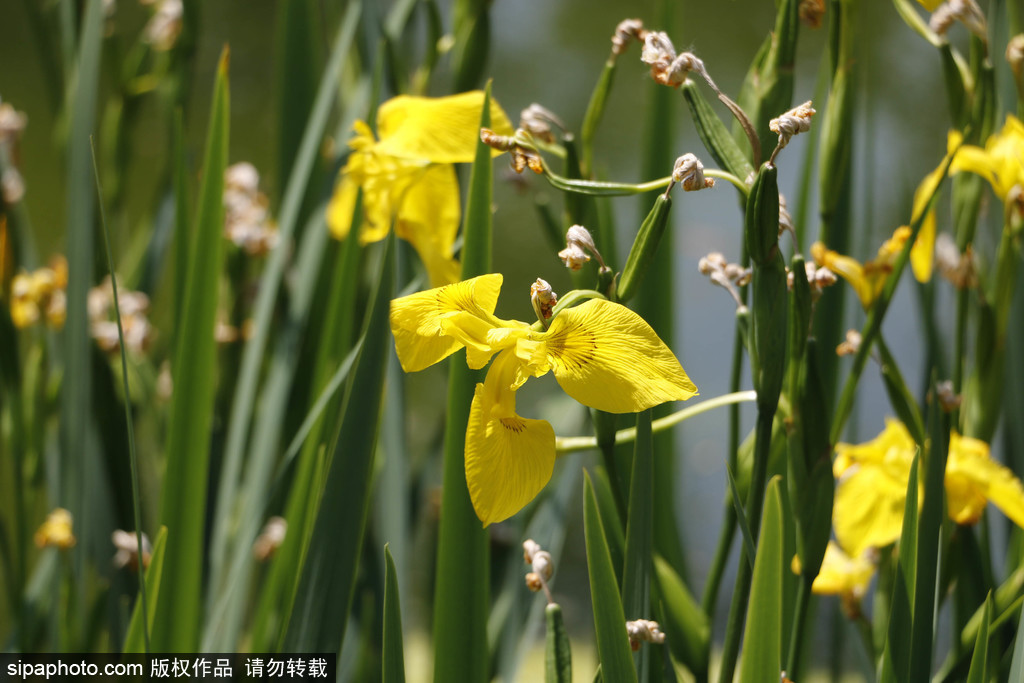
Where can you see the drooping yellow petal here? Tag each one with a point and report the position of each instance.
(605, 356)
(923, 252)
(428, 218)
(1001, 162)
(973, 479)
(436, 129)
(417, 320)
(869, 507)
(341, 208)
(847, 268)
(509, 459)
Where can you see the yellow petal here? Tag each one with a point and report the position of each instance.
(923, 252)
(509, 459)
(841, 574)
(893, 447)
(417, 320)
(930, 5)
(440, 130)
(428, 218)
(869, 507)
(973, 479)
(341, 207)
(847, 268)
(605, 356)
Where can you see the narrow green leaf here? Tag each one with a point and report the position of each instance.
(896, 654)
(240, 420)
(393, 656)
(135, 639)
(762, 640)
(929, 530)
(1017, 663)
(741, 516)
(325, 589)
(461, 591)
(636, 573)
(176, 626)
(610, 520)
(609, 619)
(557, 651)
(714, 134)
(978, 672)
(686, 626)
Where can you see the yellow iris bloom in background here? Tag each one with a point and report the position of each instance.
(842, 575)
(1001, 162)
(407, 177)
(601, 353)
(872, 486)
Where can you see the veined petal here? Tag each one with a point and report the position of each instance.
(509, 459)
(436, 129)
(417, 319)
(973, 479)
(605, 356)
(428, 218)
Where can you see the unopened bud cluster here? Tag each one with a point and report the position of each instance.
(956, 267)
(729, 276)
(519, 146)
(247, 221)
(543, 299)
(579, 246)
(643, 631)
(541, 565)
(818, 277)
(103, 322)
(667, 67)
(966, 12)
(689, 172)
(796, 120)
(851, 344)
(537, 121)
(12, 124)
(949, 400)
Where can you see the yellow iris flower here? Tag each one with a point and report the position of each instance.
(1001, 162)
(56, 530)
(407, 176)
(872, 486)
(601, 353)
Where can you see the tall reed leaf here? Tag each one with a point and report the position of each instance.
(979, 660)
(896, 655)
(328, 576)
(394, 659)
(135, 638)
(762, 640)
(609, 619)
(461, 591)
(183, 509)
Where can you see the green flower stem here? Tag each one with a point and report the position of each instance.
(571, 444)
(796, 638)
(602, 188)
(875, 317)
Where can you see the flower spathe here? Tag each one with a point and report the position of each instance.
(601, 353)
(872, 486)
(407, 177)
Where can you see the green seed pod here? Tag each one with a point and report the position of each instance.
(557, 653)
(595, 111)
(714, 134)
(762, 216)
(770, 324)
(644, 247)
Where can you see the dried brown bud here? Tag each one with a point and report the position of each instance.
(689, 172)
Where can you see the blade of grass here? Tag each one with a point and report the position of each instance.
(896, 655)
(636, 572)
(176, 622)
(325, 590)
(609, 619)
(686, 626)
(270, 284)
(132, 453)
(463, 566)
(978, 672)
(136, 636)
(1017, 663)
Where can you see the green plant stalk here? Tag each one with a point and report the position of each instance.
(571, 444)
(636, 572)
(240, 419)
(593, 115)
(463, 563)
(393, 670)
(876, 315)
(133, 457)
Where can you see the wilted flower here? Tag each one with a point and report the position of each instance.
(643, 631)
(134, 324)
(247, 221)
(165, 25)
(127, 544)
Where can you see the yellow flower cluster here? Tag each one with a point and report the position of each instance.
(602, 354)
(40, 294)
(56, 531)
(407, 176)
